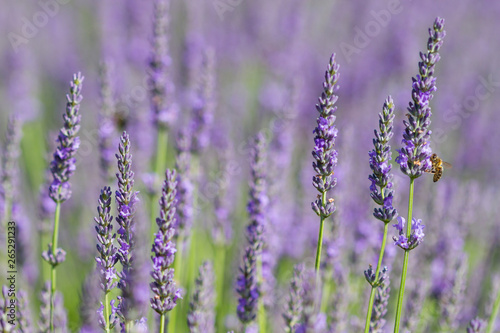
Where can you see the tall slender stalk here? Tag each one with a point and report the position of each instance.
(494, 313)
(324, 153)
(399, 308)
(55, 234)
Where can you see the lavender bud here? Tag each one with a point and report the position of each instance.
(414, 156)
(52, 258)
(201, 315)
(10, 156)
(63, 165)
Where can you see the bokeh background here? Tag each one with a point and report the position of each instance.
(270, 61)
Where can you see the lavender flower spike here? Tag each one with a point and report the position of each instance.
(160, 86)
(380, 162)
(325, 156)
(163, 286)
(201, 315)
(247, 288)
(126, 199)
(108, 255)
(63, 164)
(380, 305)
(293, 312)
(416, 237)
(258, 200)
(414, 156)
(476, 325)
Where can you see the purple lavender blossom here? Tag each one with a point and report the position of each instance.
(63, 164)
(91, 296)
(416, 236)
(222, 230)
(476, 325)
(382, 292)
(5, 325)
(451, 300)
(204, 104)
(185, 186)
(247, 287)
(160, 85)
(380, 162)
(201, 315)
(23, 313)
(108, 253)
(293, 311)
(258, 201)
(126, 199)
(414, 305)
(10, 156)
(106, 124)
(325, 133)
(60, 316)
(163, 286)
(414, 156)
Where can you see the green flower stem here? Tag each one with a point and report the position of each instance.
(176, 311)
(377, 272)
(159, 170)
(220, 262)
(261, 311)
(162, 323)
(55, 234)
(494, 313)
(106, 311)
(320, 237)
(399, 309)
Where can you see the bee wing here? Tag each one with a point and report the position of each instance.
(447, 165)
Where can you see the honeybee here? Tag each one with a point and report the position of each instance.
(437, 167)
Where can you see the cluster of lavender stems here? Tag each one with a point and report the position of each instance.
(62, 168)
(382, 192)
(414, 156)
(324, 153)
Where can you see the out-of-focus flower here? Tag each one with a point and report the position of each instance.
(201, 315)
(160, 85)
(293, 311)
(414, 156)
(377, 321)
(476, 325)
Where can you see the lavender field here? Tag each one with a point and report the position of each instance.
(249, 166)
